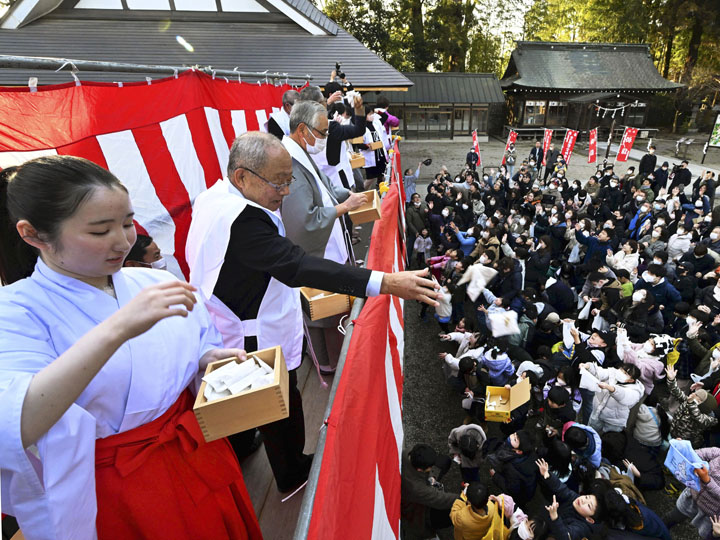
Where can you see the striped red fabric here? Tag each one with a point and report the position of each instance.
(358, 492)
(167, 141)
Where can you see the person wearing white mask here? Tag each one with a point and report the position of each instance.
(620, 390)
(679, 243)
(646, 356)
(653, 241)
(145, 253)
(628, 257)
(666, 296)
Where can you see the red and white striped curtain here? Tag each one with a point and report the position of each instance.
(167, 141)
(358, 492)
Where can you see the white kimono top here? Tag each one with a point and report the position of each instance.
(50, 488)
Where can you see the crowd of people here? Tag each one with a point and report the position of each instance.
(102, 350)
(610, 286)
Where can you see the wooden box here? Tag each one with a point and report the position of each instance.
(249, 409)
(358, 140)
(327, 306)
(500, 401)
(357, 161)
(370, 211)
(376, 145)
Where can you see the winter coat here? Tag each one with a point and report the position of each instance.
(593, 451)
(665, 294)
(595, 248)
(469, 525)
(536, 268)
(708, 498)
(623, 261)
(650, 366)
(677, 245)
(515, 474)
(416, 219)
(688, 422)
(477, 433)
(647, 428)
(614, 407)
(500, 368)
(417, 497)
(467, 242)
(569, 525)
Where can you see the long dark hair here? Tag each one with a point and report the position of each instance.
(44, 191)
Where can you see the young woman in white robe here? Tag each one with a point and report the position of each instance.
(98, 369)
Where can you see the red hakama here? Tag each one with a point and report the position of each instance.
(162, 480)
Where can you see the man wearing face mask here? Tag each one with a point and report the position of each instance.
(639, 222)
(666, 296)
(700, 259)
(145, 253)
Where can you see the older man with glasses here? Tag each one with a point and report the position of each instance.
(247, 271)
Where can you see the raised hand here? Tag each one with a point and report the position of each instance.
(553, 509)
(153, 304)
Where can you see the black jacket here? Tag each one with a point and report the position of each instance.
(647, 164)
(337, 133)
(256, 252)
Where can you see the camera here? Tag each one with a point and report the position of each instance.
(337, 70)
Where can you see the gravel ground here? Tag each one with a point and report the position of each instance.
(430, 408)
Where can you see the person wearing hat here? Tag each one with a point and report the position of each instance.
(694, 415)
(465, 444)
(513, 466)
(646, 356)
(620, 390)
(424, 505)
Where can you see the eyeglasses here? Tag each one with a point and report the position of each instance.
(323, 134)
(277, 187)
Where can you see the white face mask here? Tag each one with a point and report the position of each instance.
(638, 296)
(568, 215)
(639, 198)
(446, 213)
(523, 221)
(656, 261)
(417, 204)
(613, 184)
(484, 259)
(707, 219)
(655, 234)
(713, 236)
(465, 206)
(690, 320)
(648, 347)
(661, 222)
(160, 264)
(486, 234)
(553, 220)
(649, 278)
(318, 147)
(553, 210)
(524, 531)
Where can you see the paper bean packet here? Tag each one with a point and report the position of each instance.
(236, 377)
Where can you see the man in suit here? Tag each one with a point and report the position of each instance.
(313, 214)
(536, 154)
(247, 271)
(279, 122)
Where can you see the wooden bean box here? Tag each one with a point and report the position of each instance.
(252, 408)
(370, 211)
(358, 140)
(357, 161)
(327, 306)
(376, 145)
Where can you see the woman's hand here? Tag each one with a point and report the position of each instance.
(153, 304)
(214, 355)
(715, 520)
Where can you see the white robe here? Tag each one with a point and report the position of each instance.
(53, 495)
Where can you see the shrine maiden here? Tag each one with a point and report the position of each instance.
(98, 369)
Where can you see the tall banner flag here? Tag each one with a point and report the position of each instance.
(476, 145)
(592, 148)
(512, 137)
(627, 142)
(568, 144)
(167, 141)
(547, 139)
